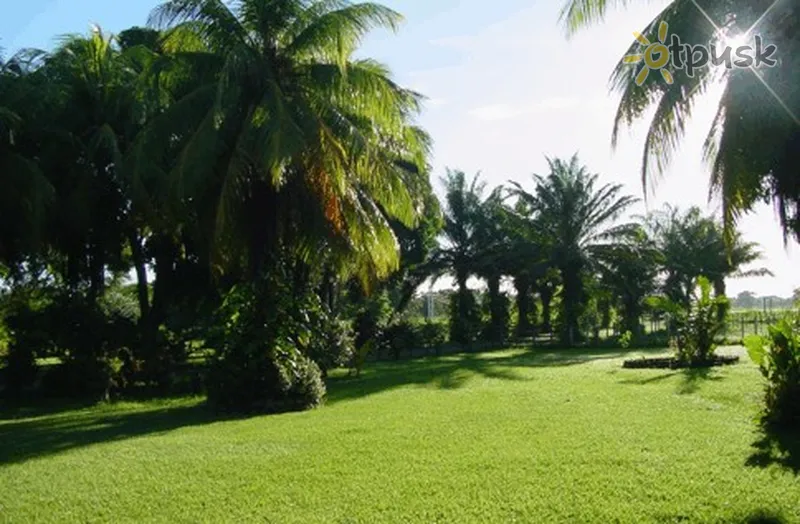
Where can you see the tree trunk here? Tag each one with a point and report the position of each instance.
(497, 310)
(571, 304)
(523, 286)
(719, 291)
(546, 294)
(140, 266)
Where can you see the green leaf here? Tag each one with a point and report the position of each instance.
(756, 349)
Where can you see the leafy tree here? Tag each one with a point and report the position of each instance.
(752, 145)
(745, 300)
(576, 222)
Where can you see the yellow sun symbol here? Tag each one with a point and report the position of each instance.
(655, 56)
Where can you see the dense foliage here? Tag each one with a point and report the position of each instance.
(778, 357)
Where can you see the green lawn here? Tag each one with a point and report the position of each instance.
(499, 437)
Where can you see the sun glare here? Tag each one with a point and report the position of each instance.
(735, 41)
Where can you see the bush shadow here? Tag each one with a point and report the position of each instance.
(776, 446)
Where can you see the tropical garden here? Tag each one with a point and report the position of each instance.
(227, 213)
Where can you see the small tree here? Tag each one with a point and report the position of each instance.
(695, 328)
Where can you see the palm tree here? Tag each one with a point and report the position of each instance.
(285, 139)
(693, 245)
(753, 146)
(575, 220)
(494, 239)
(26, 191)
(629, 269)
(459, 250)
(527, 262)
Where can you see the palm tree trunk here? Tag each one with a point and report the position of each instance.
(546, 295)
(719, 290)
(571, 304)
(523, 286)
(497, 310)
(141, 275)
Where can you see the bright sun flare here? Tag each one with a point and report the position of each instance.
(736, 41)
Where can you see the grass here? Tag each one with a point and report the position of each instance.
(496, 437)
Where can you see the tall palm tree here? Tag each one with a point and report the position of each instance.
(576, 219)
(495, 240)
(528, 263)
(459, 250)
(630, 269)
(693, 245)
(286, 138)
(27, 193)
(753, 146)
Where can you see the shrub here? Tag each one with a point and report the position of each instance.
(401, 337)
(259, 366)
(405, 336)
(85, 376)
(625, 340)
(432, 334)
(778, 357)
(695, 329)
(330, 341)
(255, 378)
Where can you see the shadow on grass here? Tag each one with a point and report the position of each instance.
(761, 517)
(777, 447)
(691, 379)
(43, 429)
(25, 439)
(454, 371)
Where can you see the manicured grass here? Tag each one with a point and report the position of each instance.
(496, 437)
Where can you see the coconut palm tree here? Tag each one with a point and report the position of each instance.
(576, 220)
(285, 138)
(753, 146)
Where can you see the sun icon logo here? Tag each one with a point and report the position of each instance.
(655, 56)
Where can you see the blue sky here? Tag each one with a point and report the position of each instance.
(505, 88)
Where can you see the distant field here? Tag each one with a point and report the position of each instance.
(495, 437)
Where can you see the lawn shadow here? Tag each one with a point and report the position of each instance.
(763, 517)
(25, 439)
(693, 378)
(455, 371)
(777, 447)
(650, 380)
